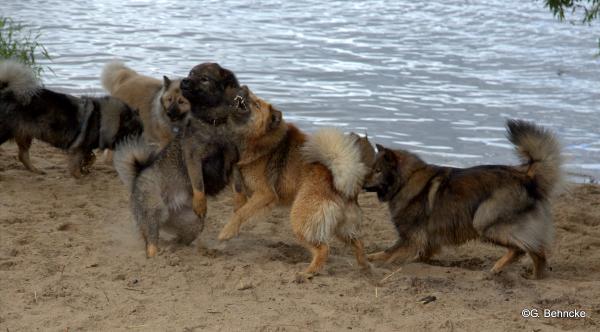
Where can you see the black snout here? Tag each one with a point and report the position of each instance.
(186, 84)
(174, 114)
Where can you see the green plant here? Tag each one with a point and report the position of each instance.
(17, 42)
(590, 8)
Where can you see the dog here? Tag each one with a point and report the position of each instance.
(74, 124)
(319, 176)
(202, 153)
(164, 183)
(434, 206)
(160, 103)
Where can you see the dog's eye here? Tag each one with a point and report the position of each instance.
(180, 102)
(203, 79)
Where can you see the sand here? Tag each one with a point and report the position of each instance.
(72, 260)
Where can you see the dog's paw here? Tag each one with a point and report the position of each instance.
(151, 250)
(302, 277)
(37, 171)
(378, 256)
(230, 231)
(199, 204)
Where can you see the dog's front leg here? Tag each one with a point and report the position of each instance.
(193, 164)
(258, 203)
(400, 248)
(239, 190)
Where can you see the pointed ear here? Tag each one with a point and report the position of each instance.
(166, 82)
(275, 118)
(380, 148)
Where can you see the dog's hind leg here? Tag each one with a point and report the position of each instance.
(347, 231)
(320, 253)
(24, 143)
(511, 256)
(149, 228)
(149, 214)
(539, 264)
(75, 163)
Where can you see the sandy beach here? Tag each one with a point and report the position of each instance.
(72, 260)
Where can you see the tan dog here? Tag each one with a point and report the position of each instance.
(320, 177)
(435, 206)
(159, 103)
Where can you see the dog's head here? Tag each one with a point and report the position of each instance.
(253, 117)
(208, 87)
(117, 121)
(175, 105)
(391, 171)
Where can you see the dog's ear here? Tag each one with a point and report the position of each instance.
(166, 82)
(275, 118)
(388, 155)
(228, 78)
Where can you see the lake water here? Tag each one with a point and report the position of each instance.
(436, 77)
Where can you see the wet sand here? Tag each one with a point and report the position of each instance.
(71, 260)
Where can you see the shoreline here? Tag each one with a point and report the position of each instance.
(71, 258)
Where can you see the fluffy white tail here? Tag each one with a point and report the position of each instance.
(114, 73)
(341, 155)
(19, 79)
(131, 157)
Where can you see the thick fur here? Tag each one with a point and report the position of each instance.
(132, 157)
(74, 124)
(318, 177)
(433, 206)
(159, 102)
(538, 148)
(169, 186)
(341, 156)
(18, 80)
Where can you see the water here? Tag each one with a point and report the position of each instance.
(436, 77)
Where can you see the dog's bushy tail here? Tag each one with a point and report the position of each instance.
(341, 155)
(131, 157)
(19, 80)
(538, 148)
(113, 75)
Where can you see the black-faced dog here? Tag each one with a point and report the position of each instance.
(74, 124)
(434, 206)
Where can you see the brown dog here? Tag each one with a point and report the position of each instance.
(159, 103)
(320, 177)
(433, 206)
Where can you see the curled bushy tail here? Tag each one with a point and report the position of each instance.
(131, 157)
(19, 79)
(113, 75)
(341, 155)
(539, 148)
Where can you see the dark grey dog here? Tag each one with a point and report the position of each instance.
(169, 187)
(76, 125)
